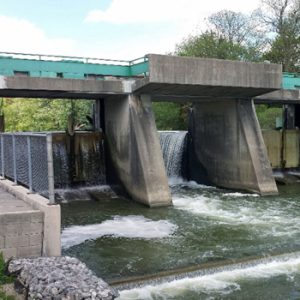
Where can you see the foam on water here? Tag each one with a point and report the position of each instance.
(237, 195)
(137, 227)
(275, 219)
(180, 182)
(83, 193)
(220, 283)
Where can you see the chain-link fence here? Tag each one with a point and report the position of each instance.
(27, 159)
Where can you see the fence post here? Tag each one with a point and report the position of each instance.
(50, 169)
(14, 157)
(2, 156)
(29, 164)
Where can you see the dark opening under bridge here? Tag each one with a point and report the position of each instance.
(226, 146)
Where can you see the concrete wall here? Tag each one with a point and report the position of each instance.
(21, 234)
(291, 148)
(227, 148)
(134, 149)
(51, 221)
(282, 147)
(273, 142)
(213, 72)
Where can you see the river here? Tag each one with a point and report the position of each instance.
(206, 226)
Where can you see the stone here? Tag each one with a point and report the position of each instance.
(60, 278)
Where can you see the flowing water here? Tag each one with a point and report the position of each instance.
(119, 239)
(174, 145)
(219, 243)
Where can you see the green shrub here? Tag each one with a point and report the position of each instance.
(4, 278)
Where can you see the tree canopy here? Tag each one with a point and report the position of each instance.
(43, 114)
(282, 19)
(270, 33)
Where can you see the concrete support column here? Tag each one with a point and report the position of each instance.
(227, 148)
(134, 149)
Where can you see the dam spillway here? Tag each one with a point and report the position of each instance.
(174, 150)
(222, 94)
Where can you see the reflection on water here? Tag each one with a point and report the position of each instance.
(205, 224)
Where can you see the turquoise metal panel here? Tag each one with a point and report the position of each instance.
(291, 81)
(73, 75)
(47, 74)
(140, 68)
(26, 65)
(35, 74)
(6, 72)
(78, 69)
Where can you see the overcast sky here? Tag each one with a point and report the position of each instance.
(116, 29)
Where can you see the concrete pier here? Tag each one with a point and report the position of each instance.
(134, 148)
(227, 148)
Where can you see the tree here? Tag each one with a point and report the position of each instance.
(231, 35)
(43, 114)
(170, 116)
(238, 28)
(210, 45)
(282, 19)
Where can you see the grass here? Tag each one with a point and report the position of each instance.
(4, 279)
(3, 296)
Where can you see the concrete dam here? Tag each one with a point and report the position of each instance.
(225, 145)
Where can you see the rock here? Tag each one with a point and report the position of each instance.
(60, 278)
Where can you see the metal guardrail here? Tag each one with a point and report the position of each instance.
(69, 67)
(27, 159)
(50, 57)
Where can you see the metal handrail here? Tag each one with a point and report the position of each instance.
(79, 58)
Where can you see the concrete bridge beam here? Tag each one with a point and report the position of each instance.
(134, 149)
(227, 148)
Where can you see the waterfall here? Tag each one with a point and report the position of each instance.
(173, 145)
(79, 160)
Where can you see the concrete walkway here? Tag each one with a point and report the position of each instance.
(10, 204)
(21, 227)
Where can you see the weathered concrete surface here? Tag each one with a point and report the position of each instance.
(171, 76)
(61, 88)
(227, 147)
(21, 228)
(273, 142)
(51, 220)
(283, 147)
(134, 148)
(279, 97)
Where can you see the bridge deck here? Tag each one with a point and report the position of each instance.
(163, 77)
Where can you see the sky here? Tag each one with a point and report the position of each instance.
(114, 29)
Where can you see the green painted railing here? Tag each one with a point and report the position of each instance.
(291, 81)
(72, 67)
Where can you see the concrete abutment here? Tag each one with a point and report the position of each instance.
(227, 148)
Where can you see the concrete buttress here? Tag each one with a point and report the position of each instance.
(134, 149)
(227, 148)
